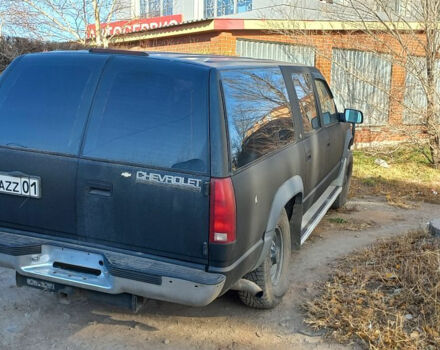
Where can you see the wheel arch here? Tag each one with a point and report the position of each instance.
(284, 197)
(288, 197)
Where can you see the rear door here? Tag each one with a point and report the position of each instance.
(143, 172)
(44, 102)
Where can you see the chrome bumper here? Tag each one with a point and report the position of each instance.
(112, 273)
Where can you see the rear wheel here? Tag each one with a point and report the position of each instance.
(272, 275)
(342, 198)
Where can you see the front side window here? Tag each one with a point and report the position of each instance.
(150, 113)
(258, 113)
(328, 107)
(45, 99)
(306, 98)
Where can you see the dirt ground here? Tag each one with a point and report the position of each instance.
(37, 320)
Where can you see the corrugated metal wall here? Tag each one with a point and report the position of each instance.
(415, 101)
(276, 51)
(362, 80)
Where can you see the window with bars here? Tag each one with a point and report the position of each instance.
(415, 100)
(216, 8)
(143, 8)
(167, 7)
(209, 8)
(362, 80)
(154, 8)
(225, 7)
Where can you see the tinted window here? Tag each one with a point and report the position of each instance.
(45, 99)
(306, 99)
(258, 112)
(328, 108)
(151, 113)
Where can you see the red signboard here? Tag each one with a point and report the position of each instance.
(135, 25)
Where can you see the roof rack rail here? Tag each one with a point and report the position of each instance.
(120, 52)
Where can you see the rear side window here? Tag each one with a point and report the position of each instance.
(44, 101)
(306, 98)
(151, 113)
(258, 112)
(328, 108)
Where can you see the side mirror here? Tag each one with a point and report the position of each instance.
(352, 116)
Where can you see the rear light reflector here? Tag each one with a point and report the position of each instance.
(222, 211)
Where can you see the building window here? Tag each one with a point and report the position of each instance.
(143, 8)
(244, 6)
(154, 8)
(167, 7)
(217, 8)
(209, 8)
(362, 80)
(225, 7)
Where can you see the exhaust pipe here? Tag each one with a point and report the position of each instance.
(245, 285)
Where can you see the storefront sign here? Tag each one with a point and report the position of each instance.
(132, 26)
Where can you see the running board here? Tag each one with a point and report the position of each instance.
(313, 216)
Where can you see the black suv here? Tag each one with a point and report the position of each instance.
(167, 176)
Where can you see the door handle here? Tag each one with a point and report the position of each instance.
(308, 156)
(100, 188)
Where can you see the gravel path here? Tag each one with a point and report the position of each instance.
(33, 319)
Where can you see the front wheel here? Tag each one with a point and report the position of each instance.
(272, 275)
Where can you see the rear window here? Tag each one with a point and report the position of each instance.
(44, 101)
(258, 110)
(151, 113)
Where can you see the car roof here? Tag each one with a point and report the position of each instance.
(217, 61)
(214, 61)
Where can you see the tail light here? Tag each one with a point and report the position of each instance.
(222, 212)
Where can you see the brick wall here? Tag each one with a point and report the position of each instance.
(224, 43)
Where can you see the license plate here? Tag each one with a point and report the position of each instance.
(20, 186)
(37, 283)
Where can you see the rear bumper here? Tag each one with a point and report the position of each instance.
(107, 271)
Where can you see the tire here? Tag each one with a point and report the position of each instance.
(272, 277)
(342, 198)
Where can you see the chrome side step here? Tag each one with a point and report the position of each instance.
(316, 212)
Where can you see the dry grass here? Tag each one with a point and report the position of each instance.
(386, 296)
(409, 178)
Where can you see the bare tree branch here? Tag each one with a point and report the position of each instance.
(407, 35)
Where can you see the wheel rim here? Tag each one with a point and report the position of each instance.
(276, 257)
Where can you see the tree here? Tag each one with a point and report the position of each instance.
(11, 47)
(64, 20)
(405, 32)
